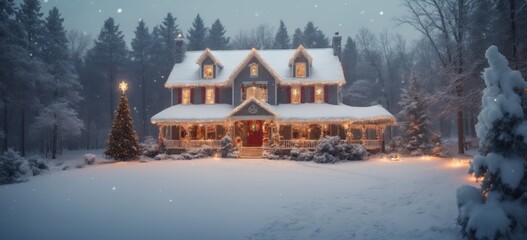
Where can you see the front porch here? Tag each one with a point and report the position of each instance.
(267, 133)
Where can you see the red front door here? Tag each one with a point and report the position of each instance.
(254, 133)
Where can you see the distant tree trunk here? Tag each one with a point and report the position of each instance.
(23, 133)
(514, 60)
(54, 138)
(459, 84)
(6, 128)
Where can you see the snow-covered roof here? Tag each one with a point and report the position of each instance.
(208, 53)
(193, 113)
(307, 112)
(325, 67)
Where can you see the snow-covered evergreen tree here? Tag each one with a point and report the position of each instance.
(216, 39)
(281, 40)
(415, 126)
(197, 35)
(498, 209)
(168, 32)
(122, 143)
(141, 44)
(298, 38)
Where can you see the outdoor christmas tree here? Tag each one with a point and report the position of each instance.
(122, 143)
(415, 127)
(498, 210)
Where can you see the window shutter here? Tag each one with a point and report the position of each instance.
(203, 94)
(312, 94)
(302, 94)
(288, 89)
(326, 97)
(192, 96)
(179, 95)
(217, 95)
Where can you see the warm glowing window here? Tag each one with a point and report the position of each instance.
(300, 70)
(258, 91)
(211, 98)
(208, 71)
(253, 70)
(319, 94)
(295, 95)
(186, 96)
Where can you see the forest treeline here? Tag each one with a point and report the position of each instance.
(58, 88)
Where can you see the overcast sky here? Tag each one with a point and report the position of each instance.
(345, 16)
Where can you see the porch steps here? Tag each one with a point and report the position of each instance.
(250, 152)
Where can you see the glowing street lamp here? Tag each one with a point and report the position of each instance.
(123, 86)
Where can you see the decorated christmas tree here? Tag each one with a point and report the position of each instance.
(498, 209)
(122, 142)
(415, 127)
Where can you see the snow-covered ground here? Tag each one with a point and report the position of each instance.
(238, 199)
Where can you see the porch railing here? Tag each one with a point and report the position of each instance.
(312, 144)
(298, 143)
(192, 143)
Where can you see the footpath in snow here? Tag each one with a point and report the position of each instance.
(238, 199)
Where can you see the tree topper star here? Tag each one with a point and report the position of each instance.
(123, 86)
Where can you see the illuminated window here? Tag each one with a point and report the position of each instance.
(186, 96)
(258, 91)
(208, 71)
(211, 98)
(295, 95)
(300, 70)
(253, 70)
(319, 94)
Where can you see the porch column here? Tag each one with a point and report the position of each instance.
(349, 134)
(363, 137)
(380, 137)
(161, 137)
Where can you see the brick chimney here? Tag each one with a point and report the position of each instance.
(336, 44)
(181, 48)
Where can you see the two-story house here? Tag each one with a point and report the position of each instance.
(257, 95)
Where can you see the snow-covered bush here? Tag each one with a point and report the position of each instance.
(37, 166)
(351, 152)
(227, 147)
(305, 156)
(331, 150)
(11, 167)
(202, 152)
(149, 147)
(396, 144)
(498, 209)
(89, 158)
(439, 150)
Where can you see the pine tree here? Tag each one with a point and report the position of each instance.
(416, 129)
(216, 39)
(349, 60)
(62, 91)
(498, 208)
(298, 38)
(197, 34)
(122, 142)
(168, 32)
(141, 45)
(281, 40)
(108, 57)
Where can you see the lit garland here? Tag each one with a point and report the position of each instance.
(304, 52)
(208, 53)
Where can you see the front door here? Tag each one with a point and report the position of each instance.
(254, 133)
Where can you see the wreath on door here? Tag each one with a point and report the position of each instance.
(255, 127)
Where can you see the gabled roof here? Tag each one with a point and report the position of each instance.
(325, 69)
(300, 50)
(253, 53)
(208, 53)
(262, 104)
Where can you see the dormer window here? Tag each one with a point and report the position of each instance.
(253, 70)
(319, 94)
(295, 95)
(185, 96)
(300, 69)
(208, 71)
